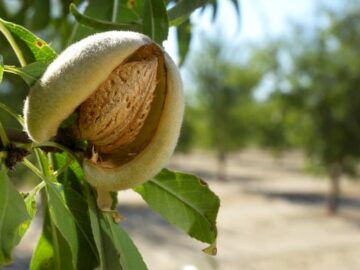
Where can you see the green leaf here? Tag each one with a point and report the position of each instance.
(112, 13)
(52, 251)
(76, 202)
(1, 68)
(98, 237)
(87, 246)
(183, 9)
(30, 73)
(186, 202)
(62, 218)
(184, 38)
(109, 255)
(130, 11)
(130, 258)
(41, 17)
(13, 214)
(33, 48)
(156, 23)
(43, 256)
(102, 25)
(96, 9)
(30, 203)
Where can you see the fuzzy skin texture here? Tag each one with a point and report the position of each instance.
(73, 77)
(157, 153)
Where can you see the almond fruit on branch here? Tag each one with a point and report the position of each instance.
(128, 94)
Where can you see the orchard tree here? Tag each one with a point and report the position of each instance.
(325, 81)
(224, 100)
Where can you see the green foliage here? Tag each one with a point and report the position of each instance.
(156, 23)
(13, 214)
(180, 12)
(224, 99)
(184, 38)
(277, 125)
(30, 47)
(186, 139)
(101, 24)
(29, 73)
(1, 68)
(324, 86)
(191, 205)
(74, 227)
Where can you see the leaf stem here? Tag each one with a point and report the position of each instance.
(115, 10)
(63, 168)
(34, 169)
(37, 188)
(12, 113)
(58, 146)
(3, 137)
(18, 71)
(44, 173)
(12, 43)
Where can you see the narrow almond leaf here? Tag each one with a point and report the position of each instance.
(102, 25)
(52, 252)
(77, 204)
(29, 73)
(182, 10)
(156, 22)
(30, 203)
(98, 237)
(103, 10)
(186, 202)
(130, 11)
(184, 38)
(13, 213)
(33, 48)
(1, 68)
(130, 258)
(62, 218)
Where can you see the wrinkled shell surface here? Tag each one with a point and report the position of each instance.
(130, 101)
(113, 116)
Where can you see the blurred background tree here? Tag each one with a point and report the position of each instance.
(323, 88)
(223, 101)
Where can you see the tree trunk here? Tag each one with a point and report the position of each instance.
(333, 198)
(221, 170)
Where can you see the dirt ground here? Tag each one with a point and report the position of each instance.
(272, 217)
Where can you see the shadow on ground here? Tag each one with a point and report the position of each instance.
(306, 198)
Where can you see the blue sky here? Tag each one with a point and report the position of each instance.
(260, 19)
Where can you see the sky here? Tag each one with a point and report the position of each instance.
(259, 21)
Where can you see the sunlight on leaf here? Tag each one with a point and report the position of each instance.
(13, 213)
(156, 23)
(130, 258)
(182, 10)
(186, 202)
(184, 38)
(1, 68)
(33, 48)
(29, 73)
